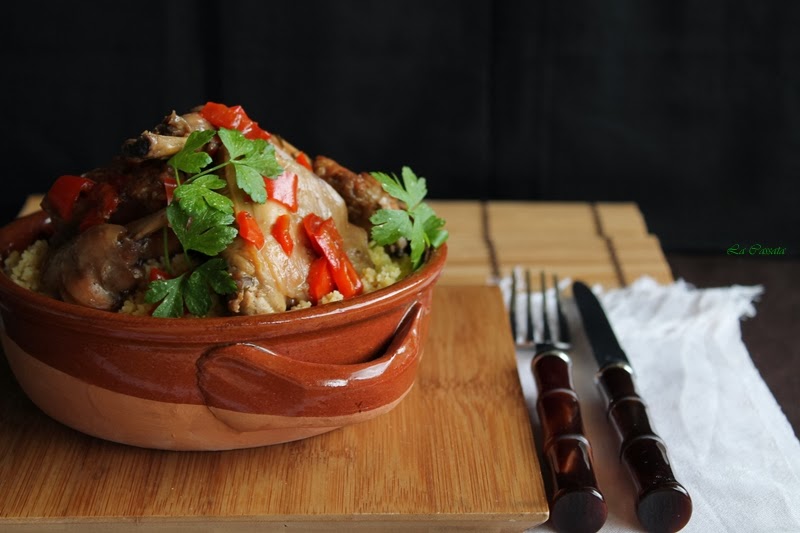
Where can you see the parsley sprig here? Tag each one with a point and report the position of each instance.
(191, 290)
(417, 222)
(202, 218)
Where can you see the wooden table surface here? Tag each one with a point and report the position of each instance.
(457, 453)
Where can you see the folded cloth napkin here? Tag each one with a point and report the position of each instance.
(729, 442)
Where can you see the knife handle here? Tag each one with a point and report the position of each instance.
(576, 503)
(663, 504)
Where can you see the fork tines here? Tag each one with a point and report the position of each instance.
(562, 336)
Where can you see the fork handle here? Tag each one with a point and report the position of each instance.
(576, 503)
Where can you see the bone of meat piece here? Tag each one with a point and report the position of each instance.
(362, 193)
(148, 224)
(94, 269)
(267, 278)
(167, 139)
(151, 145)
(182, 125)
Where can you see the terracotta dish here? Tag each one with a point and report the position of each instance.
(214, 383)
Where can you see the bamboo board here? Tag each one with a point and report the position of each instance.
(605, 243)
(458, 452)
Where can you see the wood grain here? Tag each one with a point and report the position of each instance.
(605, 243)
(471, 264)
(457, 453)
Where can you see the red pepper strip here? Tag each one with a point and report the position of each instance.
(65, 192)
(233, 118)
(327, 241)
(283, 189)
(170, 184)
(221, 115)
(319, 280)
(254, 131)
(249, 230)
(280, 230)
(106, 200)
(303, 159)
(158, 274)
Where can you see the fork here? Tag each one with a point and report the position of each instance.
(576, 503)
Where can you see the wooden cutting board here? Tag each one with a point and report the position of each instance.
(457, 453)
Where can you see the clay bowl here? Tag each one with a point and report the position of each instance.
(214, 383)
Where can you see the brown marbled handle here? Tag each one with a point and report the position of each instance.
(576, 503)
(663, 504)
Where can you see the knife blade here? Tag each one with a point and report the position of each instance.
(663, 504)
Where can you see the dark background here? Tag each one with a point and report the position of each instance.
(691, 109)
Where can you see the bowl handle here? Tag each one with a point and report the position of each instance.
(247, 378)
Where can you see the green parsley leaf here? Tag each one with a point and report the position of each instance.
(411, 191)
(191, 291)
(209, 231)
(431, 225)
(215, 274)
(416, 189)
(189, 160)
(252, 161)
(390, 225)
(198, 195)
(392, 185)
(417, 241)
(251, 182)
(210, 276)
(434, 232)
(171, 292)
(417, 223)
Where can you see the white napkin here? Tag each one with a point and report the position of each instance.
(729, 442)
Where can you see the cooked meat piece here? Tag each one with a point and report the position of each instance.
(182, 125)
(262, 285)
(140, 185)
(267, 279)
(151, 145)
(96, 268)
(148, 224)
(124, 191)
(284, 145)
(362, 193)
(147, 230)
(167, 139)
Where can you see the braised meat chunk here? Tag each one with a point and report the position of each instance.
(361, 192)
(268, 279)
(96, 268)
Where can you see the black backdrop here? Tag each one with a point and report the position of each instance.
(691, 109)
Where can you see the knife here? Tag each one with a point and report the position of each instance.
(662, 504)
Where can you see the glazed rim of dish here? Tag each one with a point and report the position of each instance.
(209, 329)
